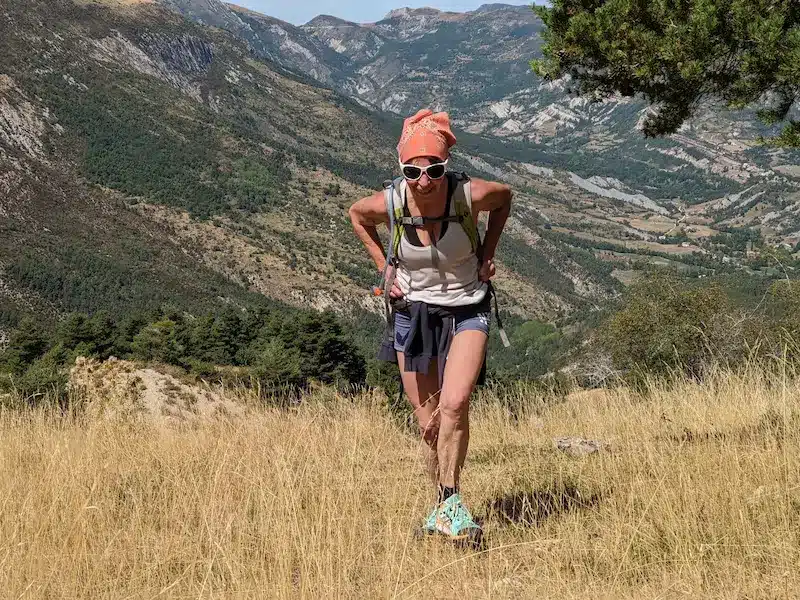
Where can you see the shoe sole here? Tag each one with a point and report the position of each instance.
(474, 538)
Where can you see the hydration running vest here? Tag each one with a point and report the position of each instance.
(462, 209)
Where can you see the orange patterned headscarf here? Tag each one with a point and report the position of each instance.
(426, 134)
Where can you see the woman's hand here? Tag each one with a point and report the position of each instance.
(487, 270)
(395, 293)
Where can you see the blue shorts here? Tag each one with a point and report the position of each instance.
(474, 322)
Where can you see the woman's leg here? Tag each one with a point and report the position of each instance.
(423, 393)
(464, 363)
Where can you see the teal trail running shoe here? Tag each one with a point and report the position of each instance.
(452, 519)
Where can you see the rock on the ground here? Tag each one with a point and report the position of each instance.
(576, 446)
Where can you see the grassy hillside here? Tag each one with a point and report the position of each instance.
(694, 496)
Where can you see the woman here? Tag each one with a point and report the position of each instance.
(440, 292)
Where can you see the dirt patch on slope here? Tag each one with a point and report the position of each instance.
(119, 390)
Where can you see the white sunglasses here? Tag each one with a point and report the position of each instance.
(434, 171)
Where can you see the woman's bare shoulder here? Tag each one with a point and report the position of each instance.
(370, 208)
(487, 195)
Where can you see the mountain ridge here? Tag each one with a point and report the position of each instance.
(378, 73)
(228, 170)
(216, 178)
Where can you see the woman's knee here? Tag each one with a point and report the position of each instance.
(455, 405)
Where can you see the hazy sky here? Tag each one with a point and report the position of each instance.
(360, 11)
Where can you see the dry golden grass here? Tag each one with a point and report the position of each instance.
(698, 496)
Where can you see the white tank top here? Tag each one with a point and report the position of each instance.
(445, 274)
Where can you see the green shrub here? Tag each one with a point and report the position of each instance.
(28, 342)
(665, 325)
(278, 368)
(45, 379)
(157, 343)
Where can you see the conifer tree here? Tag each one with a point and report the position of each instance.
(679, 53)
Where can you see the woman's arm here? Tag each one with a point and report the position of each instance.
(366, 214)
(494, 198)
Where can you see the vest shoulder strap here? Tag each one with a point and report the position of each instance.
(394, 209)
(462, 205)
(462, 199)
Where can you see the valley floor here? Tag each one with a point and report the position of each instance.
(696, 495)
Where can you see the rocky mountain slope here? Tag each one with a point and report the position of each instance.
(146, 159)
(476, 66)
(120, 121)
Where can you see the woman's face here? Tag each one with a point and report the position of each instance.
(425, 186)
